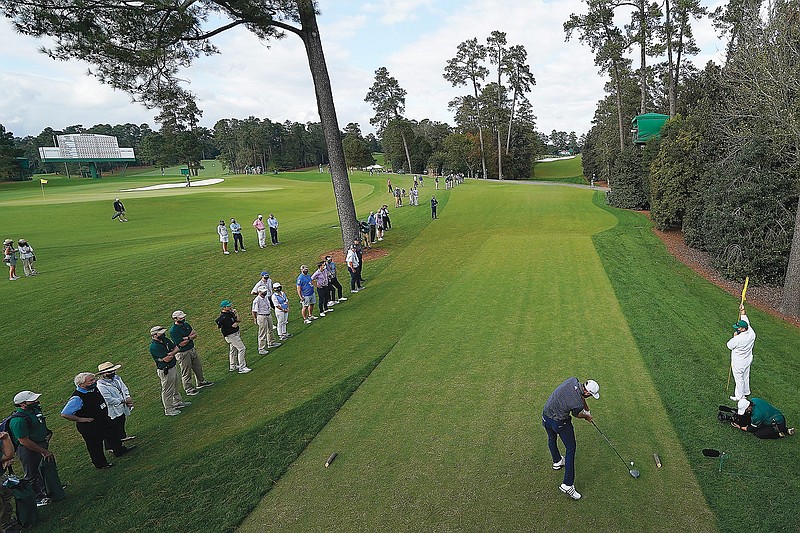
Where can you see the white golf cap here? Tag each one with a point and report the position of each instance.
(593, 388)
(743, 404)
(276, 285)
(263, 289)
(157, 329)
(178, 314)
(25, 396)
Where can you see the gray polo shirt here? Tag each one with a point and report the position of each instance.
(568, 397)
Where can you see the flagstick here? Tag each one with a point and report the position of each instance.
(43, 197)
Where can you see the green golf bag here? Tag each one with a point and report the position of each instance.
(27, 513)
(52, 483)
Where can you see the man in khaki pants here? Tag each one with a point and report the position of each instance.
(163, 351)
(184, 335)
(262, 317)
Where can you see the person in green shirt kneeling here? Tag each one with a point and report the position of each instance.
(766, 421)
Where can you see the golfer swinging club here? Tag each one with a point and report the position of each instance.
(569, 398)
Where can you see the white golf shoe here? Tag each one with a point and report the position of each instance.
(560, 464)
(570, 491)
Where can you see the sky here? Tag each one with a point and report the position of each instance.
(413, 39)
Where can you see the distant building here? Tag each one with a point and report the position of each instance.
(86, 148)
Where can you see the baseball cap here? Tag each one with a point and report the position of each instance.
(178, 314)
(263, 288)
(157, 329)
(593, 388)
(276, 285)
(264, 274)
(743, 404)
(225, 303)
(25, 396)
(303, 267)
(260, 216)
(741, 324)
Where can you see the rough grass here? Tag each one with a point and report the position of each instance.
(681, 324)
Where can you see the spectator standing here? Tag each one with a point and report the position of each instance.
(87, 408)
(118, 398)
(120, 211)
(352, 266)
(380, 224)
(281, 303)
(10, 259)
(436, 181)
(273, 229)
(228, 323)
(30, 434)
(262, 317)
(389, 184)
(261, 231)
(7, 523)
(387, 223)
(434, 203)
(238, 242)
(421, 184)
(164, 353)
(28, 257)
(365, 232)
(320, 281)
(373, 223)
(223, 236)
(333, 282)
(360, 253)
(305, 290)
(183, 335)
(266, 281)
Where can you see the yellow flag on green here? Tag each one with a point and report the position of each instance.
(43, 181)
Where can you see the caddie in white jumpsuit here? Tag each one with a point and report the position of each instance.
(741, 347)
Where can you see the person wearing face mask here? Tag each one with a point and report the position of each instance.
(182, 334)
(567, 401)
(305, 290)
(164, 353)
(281, 303)
(228, 323)
(330, 266)
(88, 409)
(118, 398)
(32, 437)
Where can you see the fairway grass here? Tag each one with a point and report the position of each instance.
(561, 171)
(445, 435)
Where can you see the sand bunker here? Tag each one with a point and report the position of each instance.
(198, 183)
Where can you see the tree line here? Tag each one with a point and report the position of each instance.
(725, 168)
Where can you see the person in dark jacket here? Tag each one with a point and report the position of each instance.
(228, 323)
(87, 408)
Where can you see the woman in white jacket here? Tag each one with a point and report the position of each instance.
(117, 396)
(26, 254)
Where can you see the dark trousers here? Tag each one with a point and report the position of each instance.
(372, 232)
(433, 212)
(238, 242)
(334, 286)
(771, 431)
(7, 503)
(322, 296)
(94, 433)
(30, 466)
(273, 233)
(563, 429)
(354, 281)
(119, 429)
(358, 273)
(387, 224)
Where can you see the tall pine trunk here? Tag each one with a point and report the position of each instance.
(790, 299)
(330, 124)
(480, 128)
(670, 64)
(405, 147)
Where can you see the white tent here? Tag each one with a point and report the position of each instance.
(374, 167)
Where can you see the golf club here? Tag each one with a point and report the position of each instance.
(634, 473)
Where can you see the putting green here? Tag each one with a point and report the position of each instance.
(507, 298)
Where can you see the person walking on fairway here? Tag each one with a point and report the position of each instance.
(741, 347)
(434, 203)
(567, 401)
(261, 230)
(120, 211)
